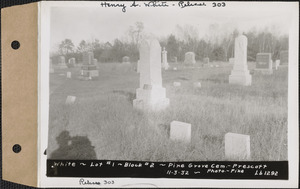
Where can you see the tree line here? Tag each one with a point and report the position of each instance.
(217, 45)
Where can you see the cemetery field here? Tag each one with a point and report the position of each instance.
(104, 114)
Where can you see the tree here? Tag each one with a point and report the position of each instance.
(135, 32)
(66, 47)
(172, 47)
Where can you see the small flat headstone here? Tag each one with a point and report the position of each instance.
(69, 75)
(237, 146)
(197, 85)
(174, 68)
(176, 84)
(70, 100)
(180, 131)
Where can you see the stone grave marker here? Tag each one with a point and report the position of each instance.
(88, 58)
(70, 100)
(197, 85)
(206, 60)
(189, 58)
(175, 68)
(95, 61)
(240, 74)
(180, 131)
(264, 63)
(153, 99)
(88, 69)
(164, 64)
(126, 60)
(176, 84)
(277, 63)
(237, 146)
(69, 75)
(72, 61)
(284, 58)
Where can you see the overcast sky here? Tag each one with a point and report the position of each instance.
(106, 24)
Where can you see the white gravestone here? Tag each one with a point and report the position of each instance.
(264, 63)
(165, 64)
(95, 61)
(69, 75)
(126, 60)
(240, 74)
(72, 61)
(180, 131)
(70, 100)
(277, 63)
(237, 146)
(151, 95)
(89, 69)
(174, 68)
(197, 85)
(189, 58)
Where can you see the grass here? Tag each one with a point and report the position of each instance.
(103, 112)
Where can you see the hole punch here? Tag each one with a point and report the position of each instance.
(15, 45)
(17, 148)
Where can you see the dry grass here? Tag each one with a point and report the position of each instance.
(103, 112)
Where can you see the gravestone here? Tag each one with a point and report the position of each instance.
(87, 58)
(69, 75)
(150, 98)
(197, 85)
(70, 100)
(284, 58)
(237, 146)
(231, 60)
(277, 63)
(164, 64)
(176, 84)
(180, 131)
(206, 60)
(174, 68)
(61, 63)
(88, 69)
(264, 63)
(95, 61)
(240, 74)
(51, 69)
(126, 60)
(72, 61)
(189, 58)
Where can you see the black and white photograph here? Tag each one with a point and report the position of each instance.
(185, 81)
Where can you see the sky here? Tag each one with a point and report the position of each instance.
(88, 21)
